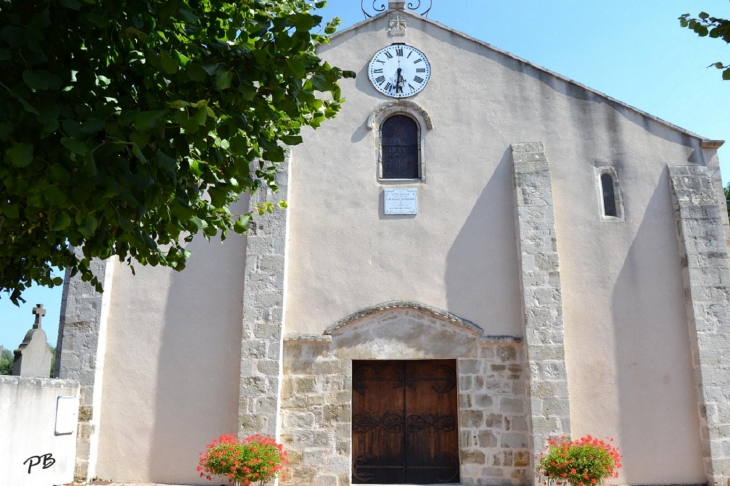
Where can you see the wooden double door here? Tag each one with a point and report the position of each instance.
(404, 422)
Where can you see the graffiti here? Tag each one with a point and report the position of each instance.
(47, 460)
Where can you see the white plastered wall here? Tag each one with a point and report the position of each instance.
(172, 364)
(626, 334)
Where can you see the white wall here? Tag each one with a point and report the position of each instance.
(27, 431)
(172, 364)
(627, 342)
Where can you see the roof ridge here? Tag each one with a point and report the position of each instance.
(706, 142)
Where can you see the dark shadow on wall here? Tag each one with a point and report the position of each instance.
(482, 275)
(199, 360)
(659, 424)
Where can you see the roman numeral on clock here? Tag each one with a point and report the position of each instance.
(418, 79)
(417, 61)
(380, 79)
(419, 70)
(399, 51)
(380, 71)
(388, 87)
(388, 55)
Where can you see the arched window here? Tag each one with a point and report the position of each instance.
(609, 195)
(399, 145)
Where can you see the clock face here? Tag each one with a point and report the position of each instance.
(399, 71)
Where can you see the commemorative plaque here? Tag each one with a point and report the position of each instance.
(401, 201)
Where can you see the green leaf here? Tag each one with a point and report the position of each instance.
(291, 139)
(178, 104)
(90, 163)
(134, 32)
(223, 79)
(75, 146)
(726, 75)
(147, 120)
(138, 153)
(218, 197)
(53, 195)
(195, 72)
(72, 4)
(27, 106)
(12, 211)
(88, 227)
(61, 221)
(169, 64)
(20, 155)
(238, 145)
(241, 225)
(196, 120)
(92, 125)
(187, 16)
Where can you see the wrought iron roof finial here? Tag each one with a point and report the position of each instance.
(420, 7)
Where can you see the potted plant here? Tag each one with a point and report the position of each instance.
(255, 459)
(581, 462)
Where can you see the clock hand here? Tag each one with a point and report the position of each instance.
(399, 81)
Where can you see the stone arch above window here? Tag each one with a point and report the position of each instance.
(390, 108)
(610, 201)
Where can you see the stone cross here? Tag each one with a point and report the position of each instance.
(39, 312)
(396, 4)
(33, 358)
(397, 25)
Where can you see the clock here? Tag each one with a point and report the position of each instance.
(399, 71)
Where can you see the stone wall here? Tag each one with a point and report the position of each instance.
(263, 304)
(316, 403)
(80, 354)
(706, 275)
(316, 412)
(549, 408)
(493, 434)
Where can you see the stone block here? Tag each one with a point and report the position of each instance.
(337, 413)
(338, 464)
(511, 405)
(312, 438)
(483, 401)
(487, 439)
(305, 385)
(298, 420)
(326, 480)
(522, 458)
(472, 456)
(514, 441)
(469, 366)
(471, 418)
(493, 421)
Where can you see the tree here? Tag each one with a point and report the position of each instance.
(726, 189)
(127, 127)
(717, 28)
(6, 361)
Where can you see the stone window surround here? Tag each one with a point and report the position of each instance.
(620, 213)
(317, 392)
(422, 119)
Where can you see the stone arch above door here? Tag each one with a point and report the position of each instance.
(404, 330)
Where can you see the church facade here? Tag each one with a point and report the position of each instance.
(478, 254)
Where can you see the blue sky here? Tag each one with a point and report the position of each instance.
(634, 51)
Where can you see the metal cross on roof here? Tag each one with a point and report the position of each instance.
(39, 312)
(379, 6)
